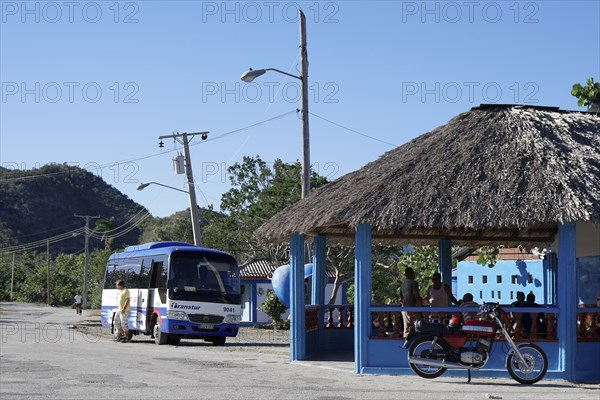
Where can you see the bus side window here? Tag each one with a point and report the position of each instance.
(159, 279)
(109, 278)
(133, 273)
(145, 274)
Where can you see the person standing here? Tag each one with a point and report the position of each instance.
(78, 303)
(410, 297)
(123, 309)
(438, 294)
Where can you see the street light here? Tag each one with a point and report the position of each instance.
(143, 186)
(250, 75)
(193, 206)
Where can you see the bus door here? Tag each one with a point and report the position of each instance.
(142, 296)
(156, 292)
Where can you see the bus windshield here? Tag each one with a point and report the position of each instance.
(205, 277)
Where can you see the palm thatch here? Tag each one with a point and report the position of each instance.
(495, 174)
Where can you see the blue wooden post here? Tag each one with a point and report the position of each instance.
(567, 299)
(254, 303)
(445, 261)
(297, 306)
(319, 274)
(362, 295)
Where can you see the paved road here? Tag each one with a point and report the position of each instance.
(42, 357)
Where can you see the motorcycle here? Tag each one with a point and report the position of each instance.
(433, 347)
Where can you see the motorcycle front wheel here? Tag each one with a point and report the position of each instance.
(533, 370)
(425, 348)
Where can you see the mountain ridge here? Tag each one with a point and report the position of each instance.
(42, 202)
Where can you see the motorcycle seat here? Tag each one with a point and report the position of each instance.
(433, 327)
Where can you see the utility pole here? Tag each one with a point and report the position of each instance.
(12, 277)
(305, 133)
(252, 74)
(48, 269)
(183, 139)
(87, 256)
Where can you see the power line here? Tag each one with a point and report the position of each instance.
(354, 131)
(111, 164)
(70, 234)
(134, 225)
(130, 220)
(223, 135)
(42, 242)
(46, 231)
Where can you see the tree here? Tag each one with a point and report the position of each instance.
(341, 260)
(387, 276)
(176, 227)
(273, 307)
(258, 192)
(66, 277)
(588, 95)
(105, 225)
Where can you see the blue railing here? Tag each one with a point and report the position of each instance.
(388, 323)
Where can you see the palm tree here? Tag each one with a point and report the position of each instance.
(104, 225)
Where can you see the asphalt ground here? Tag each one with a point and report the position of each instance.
(52, 353)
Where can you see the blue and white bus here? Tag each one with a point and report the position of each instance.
(177, 291)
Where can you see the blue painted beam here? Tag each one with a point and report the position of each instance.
(297, 315)
(362, 295)
(445, 261)
(319, 273)
(254, 303)
(566, 296)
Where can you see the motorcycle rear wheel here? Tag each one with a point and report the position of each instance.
(423, 347)
(534, 370)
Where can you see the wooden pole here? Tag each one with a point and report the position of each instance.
(305, 132)
(48, 269)
(12, 277)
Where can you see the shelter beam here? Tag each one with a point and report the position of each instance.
(297, 306)
(362, 295)
(445, 262)
(319, 275)
(567, 299)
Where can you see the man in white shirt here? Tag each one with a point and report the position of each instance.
(78, 303)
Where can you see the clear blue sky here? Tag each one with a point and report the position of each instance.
(389, 69)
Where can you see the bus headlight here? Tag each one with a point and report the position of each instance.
(172, 314)
(232, 319)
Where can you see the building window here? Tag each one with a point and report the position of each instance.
(529, 278)
(470, 279)
(481, 294)
(513, 279)
(498, 278)
(499, 295)
(512, 295)
(492, 294)
(484, 279)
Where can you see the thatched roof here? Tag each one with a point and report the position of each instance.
(495, 174)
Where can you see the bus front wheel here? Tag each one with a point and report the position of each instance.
(218, 341)
(160, 337)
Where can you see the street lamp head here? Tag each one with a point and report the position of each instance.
(142, 186)
(251, 74)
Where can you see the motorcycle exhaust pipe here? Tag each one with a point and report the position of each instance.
(436, 363)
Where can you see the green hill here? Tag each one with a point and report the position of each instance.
(40, 203)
